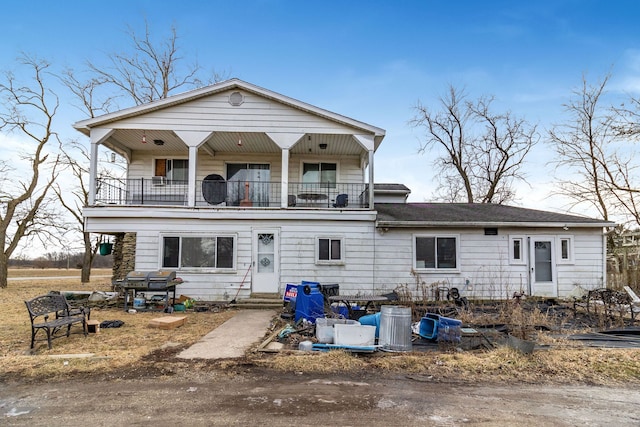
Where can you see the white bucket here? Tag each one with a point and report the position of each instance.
(139, 303)
(395, 328)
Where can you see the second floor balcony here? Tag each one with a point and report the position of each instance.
(215, 192)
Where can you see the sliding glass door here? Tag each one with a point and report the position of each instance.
(248, 184)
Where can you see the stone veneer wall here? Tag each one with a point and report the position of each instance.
(124, 255)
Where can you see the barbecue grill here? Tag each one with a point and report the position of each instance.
(159, 280)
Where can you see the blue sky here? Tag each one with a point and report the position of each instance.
(372, 61)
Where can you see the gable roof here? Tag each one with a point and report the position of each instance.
(84, 126)
(475, 215)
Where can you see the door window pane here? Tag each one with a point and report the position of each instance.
(542, 253)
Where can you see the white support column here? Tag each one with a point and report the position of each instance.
(285, 141)
(368, 143)
(97, 136)
(371, 182)
(284, 185)
(193, 140)
(193, 160)
(93, 173)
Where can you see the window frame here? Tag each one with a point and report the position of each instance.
(570, 259)
(167, 169)
(320, 163)
(181, 236)
(436, 236)
(340, 261)
(523, 254)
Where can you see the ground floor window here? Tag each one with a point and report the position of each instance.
(198, 252)
(516, 250)
(329, 250)
(566, 249)
(436, 252)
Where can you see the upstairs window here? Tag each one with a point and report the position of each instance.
(320, 173)
(174, 170)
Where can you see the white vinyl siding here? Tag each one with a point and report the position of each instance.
(214, 113)
(376, 261)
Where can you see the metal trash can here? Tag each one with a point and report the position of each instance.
(395, 328)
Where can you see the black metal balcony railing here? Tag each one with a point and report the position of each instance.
(220, 194)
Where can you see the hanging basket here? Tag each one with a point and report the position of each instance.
(106, 248)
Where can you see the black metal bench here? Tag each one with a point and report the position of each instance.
(52, 313)
(608, 301)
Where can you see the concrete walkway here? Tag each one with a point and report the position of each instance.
(233, 337)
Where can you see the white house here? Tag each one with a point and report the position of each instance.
(239, 188)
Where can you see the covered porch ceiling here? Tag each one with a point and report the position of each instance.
(158, 141)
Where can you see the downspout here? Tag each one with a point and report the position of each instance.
(529, 274)
(604, 259)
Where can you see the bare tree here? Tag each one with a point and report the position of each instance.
(80, 198)
(583, 148)
(28, 110)
(483, 152)
(150, 72)
(154, 70)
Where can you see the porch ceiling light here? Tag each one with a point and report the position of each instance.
(239, 140)
(144, 137)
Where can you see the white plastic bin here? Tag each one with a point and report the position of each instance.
(354, 335)
(324, 328)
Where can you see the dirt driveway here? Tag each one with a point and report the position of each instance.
(254, 397)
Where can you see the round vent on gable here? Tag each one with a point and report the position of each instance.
(236, 99)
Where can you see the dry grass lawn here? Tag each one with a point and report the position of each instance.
(113, 348)
(118, 349)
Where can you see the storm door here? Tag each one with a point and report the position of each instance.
(542, 265)
(266, 261)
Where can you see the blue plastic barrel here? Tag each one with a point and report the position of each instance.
(309, 302)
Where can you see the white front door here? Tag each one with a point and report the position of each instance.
(266, 261)
(542, 266)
